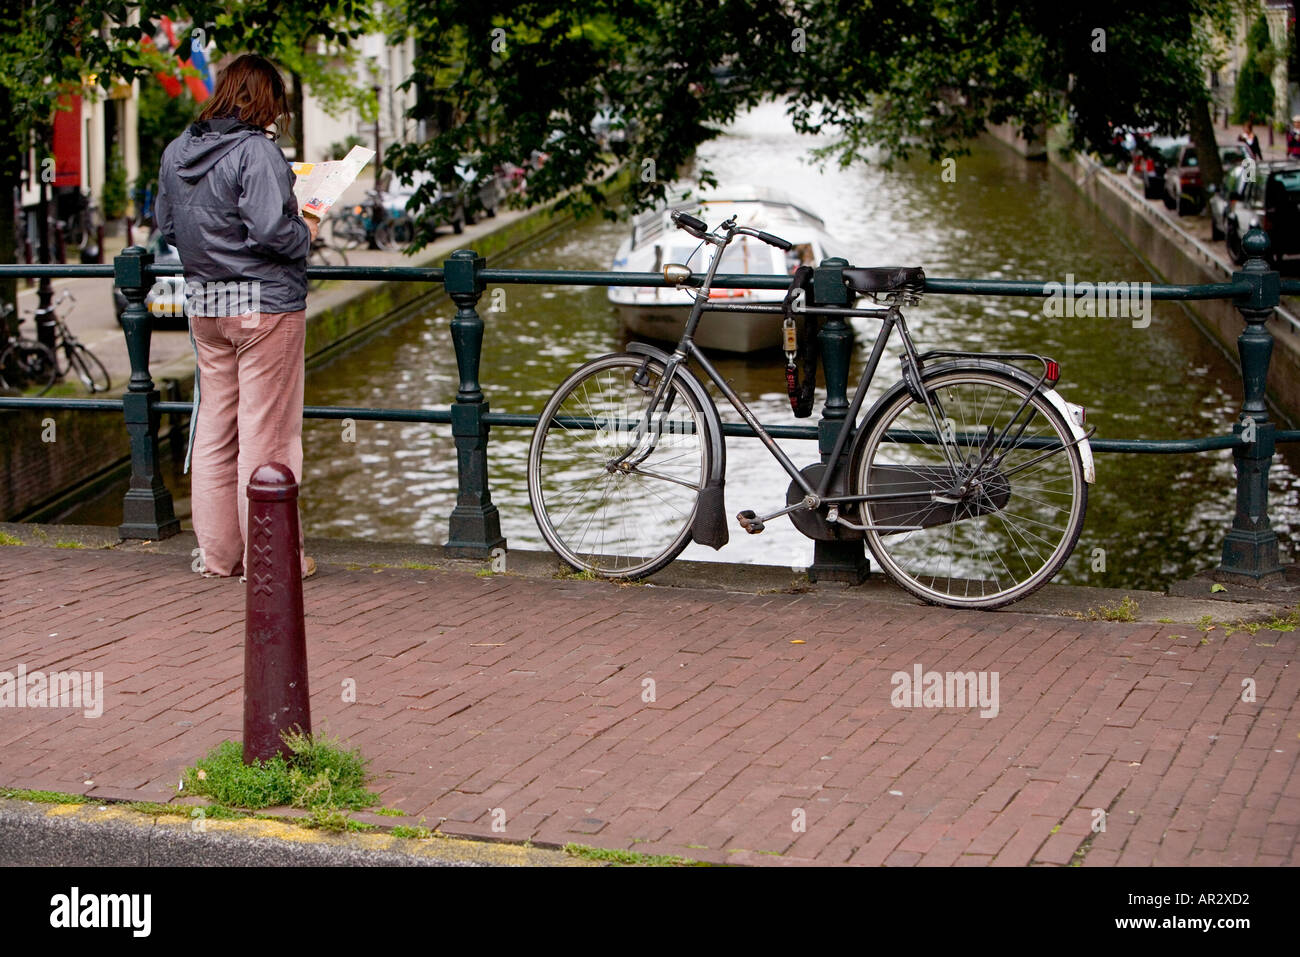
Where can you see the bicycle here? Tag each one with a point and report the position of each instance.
(323, 254)
(24, 363)
(353, 226)
(968, 478)
(69, 354)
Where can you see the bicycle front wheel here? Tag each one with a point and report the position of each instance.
(91, 372)
(614, 484)
(1022, 511)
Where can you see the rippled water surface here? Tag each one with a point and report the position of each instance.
(1157, 518)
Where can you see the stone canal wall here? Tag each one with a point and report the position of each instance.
(89, 449)
(1177, 257)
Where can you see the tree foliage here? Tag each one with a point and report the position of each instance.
(502, 80)
(1254, 95)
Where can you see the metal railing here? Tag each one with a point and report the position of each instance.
(1250, 546)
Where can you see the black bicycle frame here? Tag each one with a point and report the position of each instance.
(890, 317)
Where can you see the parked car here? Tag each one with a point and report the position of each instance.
(1184, 189)
(478, 192)
(1231, 156)
(1269, 197)
(1221, 198)
(1126, 142)
(1154, 156)
(610, 129)
(166, 299)
(446, 209)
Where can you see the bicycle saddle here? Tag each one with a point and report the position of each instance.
(885, 279)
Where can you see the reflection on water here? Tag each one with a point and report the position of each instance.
(1154, 517)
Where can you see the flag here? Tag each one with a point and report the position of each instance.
(200, 87)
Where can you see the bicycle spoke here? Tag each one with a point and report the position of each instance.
(616, 523)
(964, 557)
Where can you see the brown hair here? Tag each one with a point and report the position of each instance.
(250, 89)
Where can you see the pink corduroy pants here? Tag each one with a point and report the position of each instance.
(251, 371)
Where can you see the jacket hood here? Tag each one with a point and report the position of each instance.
(207, 141)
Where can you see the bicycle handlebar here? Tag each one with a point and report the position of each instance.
(696, 227)
(699, 229)
(771, 240)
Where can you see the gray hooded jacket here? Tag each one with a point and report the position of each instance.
(225, 201)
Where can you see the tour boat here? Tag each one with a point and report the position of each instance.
(660, 312)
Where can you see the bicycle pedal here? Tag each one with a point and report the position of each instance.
(749, 522)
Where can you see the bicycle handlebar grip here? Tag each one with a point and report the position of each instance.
(690, 223)
(776, 241)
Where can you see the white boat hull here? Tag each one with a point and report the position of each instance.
(717, 331)
(658, 313)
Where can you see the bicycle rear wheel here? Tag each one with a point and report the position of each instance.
(1022, 514)
(614, 489)
(91, 372)
(25, 364)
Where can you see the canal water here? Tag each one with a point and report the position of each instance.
(1151, 518)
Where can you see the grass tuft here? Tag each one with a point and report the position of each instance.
(318, 775)
(629, 858)
(1126, 609)
(43, 797)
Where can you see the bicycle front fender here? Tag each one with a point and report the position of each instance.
(713, 421)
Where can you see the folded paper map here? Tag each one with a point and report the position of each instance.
(320, 185)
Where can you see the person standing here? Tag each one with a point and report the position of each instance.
(1248, 137)
(225, 201)
(1293, 137)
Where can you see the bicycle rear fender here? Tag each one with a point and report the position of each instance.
(1002, 368)
(709, 526)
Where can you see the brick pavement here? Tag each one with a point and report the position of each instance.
(524, 702)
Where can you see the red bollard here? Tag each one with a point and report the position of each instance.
(275, 640)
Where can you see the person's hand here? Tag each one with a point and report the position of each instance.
(313, 225)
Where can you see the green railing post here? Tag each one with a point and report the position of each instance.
(475, 523)
(846, 560)
(147, 510)
(1250, 548)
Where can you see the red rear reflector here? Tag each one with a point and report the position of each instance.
(1053, 371)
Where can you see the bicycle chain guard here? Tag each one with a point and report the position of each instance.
(812, 522)
(921, 510)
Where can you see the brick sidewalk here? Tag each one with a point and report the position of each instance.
(482, 693)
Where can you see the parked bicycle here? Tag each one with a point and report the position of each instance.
(323, 254)
(24, 363)
(968, 479)
(351, 227)
(27, 363)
